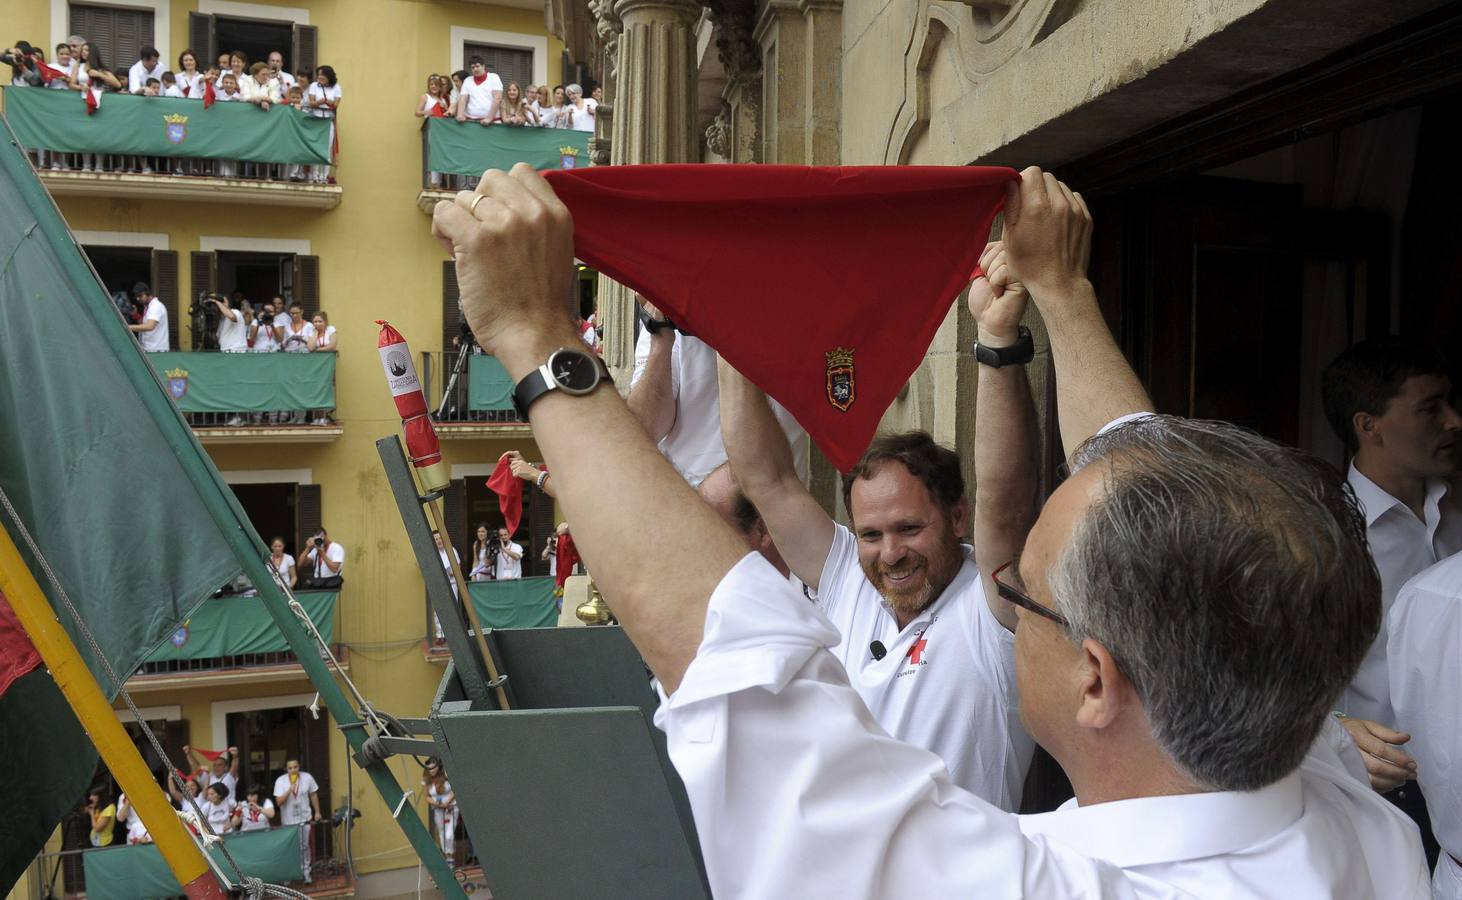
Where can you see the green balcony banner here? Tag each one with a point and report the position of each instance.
(488, 384)
(211, 382)
(515, 603)
(163, 126)
(138, 872)
(233, 626)
(469, 148)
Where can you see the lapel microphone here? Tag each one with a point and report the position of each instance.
(878, 650)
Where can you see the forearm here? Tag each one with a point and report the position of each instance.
(1094, 382)
(652, 398)
(1006, 444)
(620, 477)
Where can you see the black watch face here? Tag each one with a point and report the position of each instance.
(574, 371)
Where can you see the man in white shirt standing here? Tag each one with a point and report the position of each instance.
(152, 331)
(323, 559)
(927, 642)
(1424, 667)
(233, 332)
(276, 68)
(509, 562)
(673, 393)
(1389, 400)
(1170, 654)
(481, 93)
(148, 65)
(297, 797)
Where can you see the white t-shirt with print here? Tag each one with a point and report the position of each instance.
(256, 820)
(296, 808)
(947, 680)
(218, 814)
(479, 96)
(156, 340)
(233, 333)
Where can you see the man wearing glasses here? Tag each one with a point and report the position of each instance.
(926, 642)
(1206, 595)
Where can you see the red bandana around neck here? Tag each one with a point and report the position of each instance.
(479, 79)
(822, 285)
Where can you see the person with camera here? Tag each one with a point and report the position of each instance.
(323, 559)
(22, 62)
(232, 328)
(509, 562)
(152, 331)
(263, 337)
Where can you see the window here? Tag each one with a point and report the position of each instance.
(510, 63)
(118, 33)
(259, 277)
(210, 35)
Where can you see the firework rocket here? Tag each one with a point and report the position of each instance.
(421, 436)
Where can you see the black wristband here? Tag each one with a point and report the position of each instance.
(1017, 354)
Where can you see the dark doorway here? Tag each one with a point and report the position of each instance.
(259, 276)
(257, 38)
(470, 503)
(271, 509)
(269, 738)
(121, 267)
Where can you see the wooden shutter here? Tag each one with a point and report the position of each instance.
(451, 305)
(165, 286)
(307, 284)
(540, 526)
(204, 264)
(509, 63)
(454, 513)
(174, 739)
(303, 53)
(306, 515)
(202, 39)
(315, 759)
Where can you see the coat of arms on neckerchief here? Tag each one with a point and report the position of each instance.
(842, 390)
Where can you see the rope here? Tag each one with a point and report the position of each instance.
(255, 887)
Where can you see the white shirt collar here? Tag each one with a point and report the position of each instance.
(1154, 830)
(1376, 502)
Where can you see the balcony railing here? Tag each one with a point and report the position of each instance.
(171, 148)
(454, 154)
(468, 390)
(279, 393)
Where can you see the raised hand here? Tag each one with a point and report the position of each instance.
(1380, 748)
(1047, 235)
(996, 300)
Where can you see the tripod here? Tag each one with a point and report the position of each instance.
(465, 343)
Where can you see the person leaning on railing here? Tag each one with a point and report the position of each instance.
(322, 100)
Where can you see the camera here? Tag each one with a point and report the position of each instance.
(317, 541)
(205, 316)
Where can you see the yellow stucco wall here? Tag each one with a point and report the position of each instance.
(377, 260)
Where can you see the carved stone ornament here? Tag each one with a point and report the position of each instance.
(985, 35)
(718, 135)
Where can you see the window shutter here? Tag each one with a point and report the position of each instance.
(307, 284)
(303, 53)
(165, 286)
(454, 514)
(306, 514)
(204, 264)
(174, 739)
(451, 307)
(540, 526)
(202, 40)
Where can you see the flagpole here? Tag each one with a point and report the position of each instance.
(94, 710)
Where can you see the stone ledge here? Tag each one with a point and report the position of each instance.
(192, 188)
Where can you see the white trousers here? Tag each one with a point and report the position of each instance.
(446, 820)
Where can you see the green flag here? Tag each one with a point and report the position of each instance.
(99, 467)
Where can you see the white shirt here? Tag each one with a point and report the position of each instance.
(136, 831)
(1424, 662)
(1402, 546)
(447, 566)
(479, 96)
(317, 91)
(286, 81)
(296, 341)
(797, 792)
(296, 806)
(233, 332)
(333, 553)
(507, 567)
(156, 340)
(286, 562)
(190, 86)
(266, 339)
(250, 87)
(173, 91)
(256, 820)
(325, 341)
(218, 815)
(947, 681)
(693, 445)
(139, 73)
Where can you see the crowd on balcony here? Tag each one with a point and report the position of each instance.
(78, 66)
(477, 95)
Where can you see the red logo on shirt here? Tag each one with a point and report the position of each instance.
(916, 651)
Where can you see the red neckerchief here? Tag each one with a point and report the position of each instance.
(479, 79)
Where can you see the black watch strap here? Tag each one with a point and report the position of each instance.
(539, 382)
(1017, 354)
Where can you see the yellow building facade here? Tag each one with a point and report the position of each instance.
(375, 259)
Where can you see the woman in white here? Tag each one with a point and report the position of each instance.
(92, 75)
(257, 812)
(282, 562)
(188, 77)
(443, 802)
(515, 109)
(481, 557)
(543, 106)
(324, 341)
(322, 100)
(295, 334)
(577, 114)
(136, 831)
(219, 809)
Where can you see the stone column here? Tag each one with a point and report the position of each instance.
(654, 122)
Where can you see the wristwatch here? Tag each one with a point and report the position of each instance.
(655, 326)
(1017, 354)
(568, 369)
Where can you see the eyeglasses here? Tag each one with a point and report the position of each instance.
(1011, 594)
